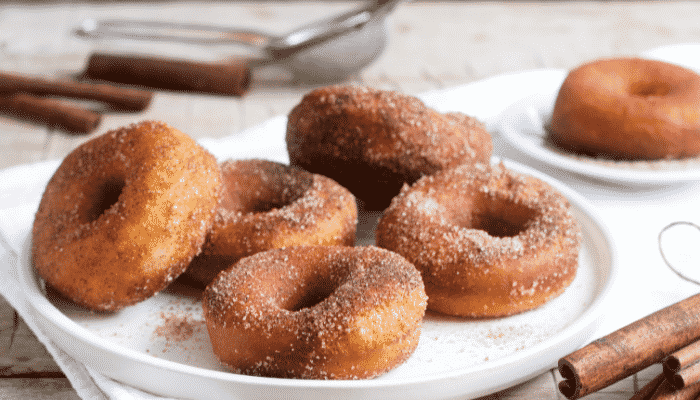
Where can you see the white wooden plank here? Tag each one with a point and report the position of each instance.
(37, 389)
(22, 142)
(646, 375)
(539, 388)
(20, 352)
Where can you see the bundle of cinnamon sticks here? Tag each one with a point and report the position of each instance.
(30, 98)
(34, 99)
(670, 336)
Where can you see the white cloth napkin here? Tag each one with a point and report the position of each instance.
(634, 215)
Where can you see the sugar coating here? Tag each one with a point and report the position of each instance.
(372, 141)
(124, 214)
(488, 241)
(268, 205)
(360, 316)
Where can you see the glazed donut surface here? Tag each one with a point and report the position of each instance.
(124, 214)
(316, 312)
(488, 241)
(373, 141)
(266, 205)
(628, 109)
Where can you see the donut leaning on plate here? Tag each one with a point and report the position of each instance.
(316, 312)
(488, 241)
(628, 109)
(267, 205)
(124, 214)
(373, 141)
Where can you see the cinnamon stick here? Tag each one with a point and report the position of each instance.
(649, 389)
(682, 368)
(122, 98)
(682, 358)
(630, 349)
(54, 113)
(666, 391)
(226, 79)
(687, 376)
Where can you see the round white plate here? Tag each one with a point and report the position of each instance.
(161, 345)
(524, 125)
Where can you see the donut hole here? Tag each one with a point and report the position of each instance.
(105, 195)
(651, 89)
(268, 200)
(264, 189)
(316, 291)
(264, 205)
(497, 217)
(497, 226)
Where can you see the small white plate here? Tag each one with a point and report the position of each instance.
(684, 54)
(524, 125)
(161, 345)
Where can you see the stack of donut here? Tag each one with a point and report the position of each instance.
(287, 295)
(266, 205)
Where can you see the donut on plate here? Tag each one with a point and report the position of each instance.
(628, 109)
(373, 141)
(488, 241)
(124, 214)
(266, 205)
(316, 312)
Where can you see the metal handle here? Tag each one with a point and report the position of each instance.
(172, 32)
(275, 47)
(325, 30)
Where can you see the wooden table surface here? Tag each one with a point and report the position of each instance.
(432, 45)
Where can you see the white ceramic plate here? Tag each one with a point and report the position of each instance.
(524, 126)
(684, 54)
(161, 345)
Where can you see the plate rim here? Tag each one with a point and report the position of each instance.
(584, 323)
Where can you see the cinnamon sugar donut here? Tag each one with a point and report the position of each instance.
(629, 109)
(489, 242)
(266, 205)
(316, 312)
(373, 141)
(124, 214)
